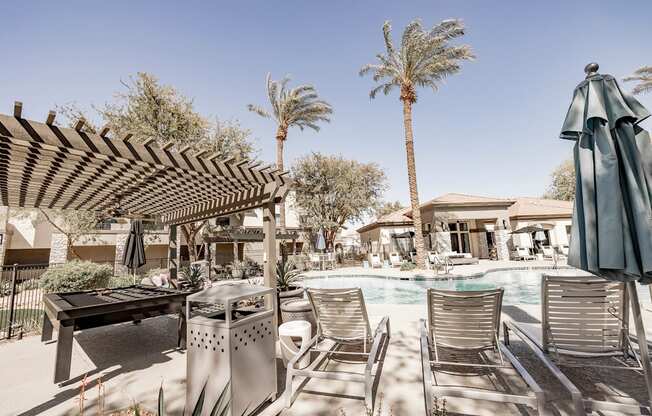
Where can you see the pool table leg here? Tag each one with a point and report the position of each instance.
(64, 352)
(181, 328)
(46, 333)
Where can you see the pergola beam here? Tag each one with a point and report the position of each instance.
(44, 165)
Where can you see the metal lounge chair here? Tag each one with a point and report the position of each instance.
(464, 325)
(374, 259)
(341, 321)
(584, 318)
(523, 253)
(395, 259)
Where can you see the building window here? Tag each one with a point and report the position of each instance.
(460, 238)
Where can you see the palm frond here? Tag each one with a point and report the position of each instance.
(258, 110)
(643, 76)
(425, 57)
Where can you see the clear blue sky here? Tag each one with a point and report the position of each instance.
(491, 130)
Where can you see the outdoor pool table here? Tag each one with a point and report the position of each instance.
(67, 312)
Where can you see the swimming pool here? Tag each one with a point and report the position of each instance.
(521, 286)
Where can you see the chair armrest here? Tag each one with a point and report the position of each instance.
(305, 349)
(378, 336)
(425, 365)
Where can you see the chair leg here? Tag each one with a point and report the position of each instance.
(288, 388)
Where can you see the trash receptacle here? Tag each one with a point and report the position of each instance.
(231, 338)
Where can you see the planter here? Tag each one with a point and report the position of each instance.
(295, 292)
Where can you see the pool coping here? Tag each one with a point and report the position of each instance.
(421, 277)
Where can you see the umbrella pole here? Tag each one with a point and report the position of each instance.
(640, 336)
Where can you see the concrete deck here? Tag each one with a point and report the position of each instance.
(133, 361)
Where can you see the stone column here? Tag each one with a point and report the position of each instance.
(58, 248)
(483, 246)
(502, 247)
(442, 241)
(120, 246)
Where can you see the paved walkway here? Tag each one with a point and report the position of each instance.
(133, 361)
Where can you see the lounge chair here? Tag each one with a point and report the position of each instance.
(374, 260)
(395, 260)
(548, 252)
(584, 318)
(342, 321)
(523, 253)
(463, 326)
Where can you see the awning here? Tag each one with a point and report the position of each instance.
(46, 166)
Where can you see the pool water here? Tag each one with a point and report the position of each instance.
(521, 286)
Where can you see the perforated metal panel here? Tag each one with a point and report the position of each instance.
(240, 350)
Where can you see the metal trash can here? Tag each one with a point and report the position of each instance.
(230, 337)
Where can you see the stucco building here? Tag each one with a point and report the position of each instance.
(471, 224)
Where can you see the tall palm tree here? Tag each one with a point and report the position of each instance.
(644, 77)
(300, 107)
(424, 59)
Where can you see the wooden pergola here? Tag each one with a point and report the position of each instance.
(47, 166)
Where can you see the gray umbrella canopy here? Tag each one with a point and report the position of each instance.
(134, 255)
(611, 234)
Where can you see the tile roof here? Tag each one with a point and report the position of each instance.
(539, 206)
(455, 198)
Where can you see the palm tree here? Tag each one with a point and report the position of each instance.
(424, 59)
(644, 77)
(300, 107)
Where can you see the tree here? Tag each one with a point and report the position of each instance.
(425, 59)
(387, 208)
(643, 76)
(331, 191)
(300, 107)
(562, 185)
(149, 110)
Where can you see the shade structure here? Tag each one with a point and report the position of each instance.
(43, 165)
(611, 233)
(529, 229)
(134, 254)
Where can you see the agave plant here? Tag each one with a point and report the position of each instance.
(193, 275)
(286, 274)
(221, 407)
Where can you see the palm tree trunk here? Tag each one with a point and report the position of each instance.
(412, 180)
(280, 141)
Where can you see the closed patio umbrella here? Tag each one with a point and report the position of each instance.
(611, 234)
(134, 254)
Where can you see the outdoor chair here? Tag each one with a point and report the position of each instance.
(395, 259)
(375, 260)
(342, 323)
(584, 320)
(548, 252)
(523, 253)
(461, 327)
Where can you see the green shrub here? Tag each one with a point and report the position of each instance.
(76, 275)
(406, 267)
(122, 281)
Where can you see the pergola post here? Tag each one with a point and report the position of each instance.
(269, 248)
(172, 252)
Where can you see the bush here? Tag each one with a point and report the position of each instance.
(76, 275)
(122, 281)
(406, 267)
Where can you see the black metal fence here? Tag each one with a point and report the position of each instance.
(21, 309)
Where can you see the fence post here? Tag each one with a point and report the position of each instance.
(12, 299)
